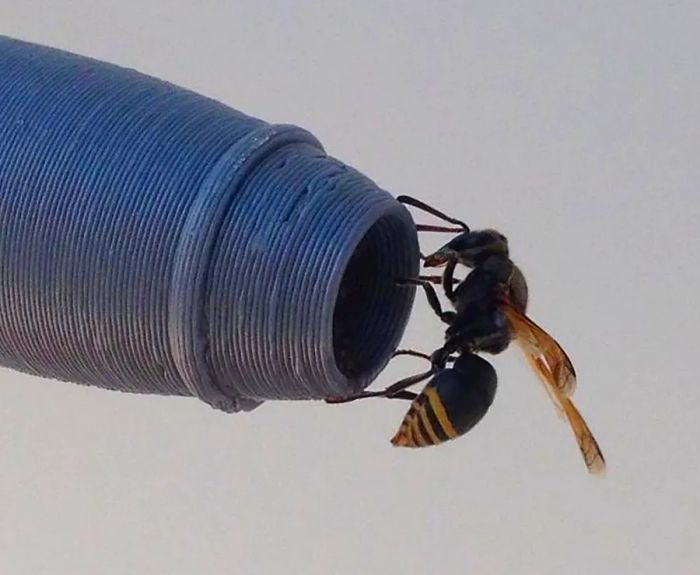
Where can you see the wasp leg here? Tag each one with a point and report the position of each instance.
(444, 355)
(438, 280)
(394, 391)
(409, 201)
(395, 388)
(412, 353)
(405, 394)
(446, 316)
(448, 279)
(443, 229)
(420, 354)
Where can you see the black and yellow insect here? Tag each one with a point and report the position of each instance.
(446, 408)
(489, 312)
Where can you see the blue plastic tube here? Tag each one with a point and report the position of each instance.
(153, 240)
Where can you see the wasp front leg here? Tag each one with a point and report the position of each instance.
(431, 294)
(409, 201)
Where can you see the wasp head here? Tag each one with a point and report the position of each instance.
(470, 248)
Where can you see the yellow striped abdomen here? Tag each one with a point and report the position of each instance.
(451, 404)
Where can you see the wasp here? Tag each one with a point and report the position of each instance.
(489, 312)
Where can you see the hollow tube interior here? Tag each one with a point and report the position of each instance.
(369, 303)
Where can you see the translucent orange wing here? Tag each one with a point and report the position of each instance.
(555, 371)
(541, 347)
(589, 447)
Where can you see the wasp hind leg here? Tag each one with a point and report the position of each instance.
(397, 390)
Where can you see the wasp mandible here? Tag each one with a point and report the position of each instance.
(488, 313)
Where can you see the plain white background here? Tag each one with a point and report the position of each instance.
(571, 126)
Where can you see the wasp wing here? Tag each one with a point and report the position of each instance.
(555, 371)
(540, 368)
(588, 445)
(543, 349)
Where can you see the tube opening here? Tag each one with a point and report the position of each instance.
(371, 310)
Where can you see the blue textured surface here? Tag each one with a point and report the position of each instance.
(153, 240)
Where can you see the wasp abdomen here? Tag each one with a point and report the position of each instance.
(451, 404)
